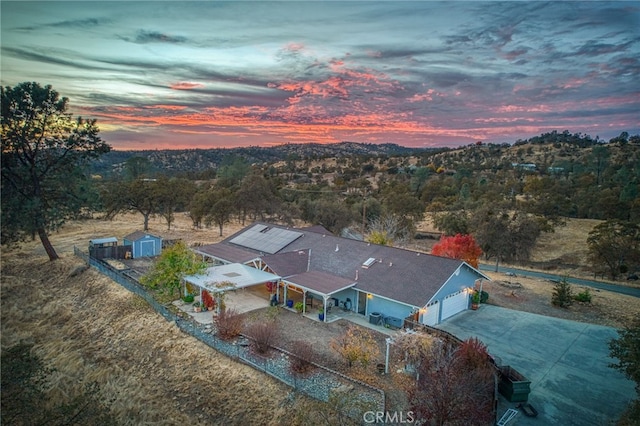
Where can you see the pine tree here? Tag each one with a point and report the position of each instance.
(562, 294)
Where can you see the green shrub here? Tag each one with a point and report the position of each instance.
(188, 298)
(583, 296)
(484, 296)
(299, 306)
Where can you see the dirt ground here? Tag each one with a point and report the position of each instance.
(90, 329)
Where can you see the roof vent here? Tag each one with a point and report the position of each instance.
(337, 247)
(356, 275)
(370, 261)
(390, 263)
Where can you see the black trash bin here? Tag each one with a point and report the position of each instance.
(374, 318)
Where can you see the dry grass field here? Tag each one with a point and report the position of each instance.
(90, 329)
(563, 252)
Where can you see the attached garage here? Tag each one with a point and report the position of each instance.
(454, 303)
(430, 316)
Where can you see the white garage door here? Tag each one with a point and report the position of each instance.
(431, 316)
(454, 303)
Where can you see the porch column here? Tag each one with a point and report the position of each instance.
(304, 302)
(324, 307)
(284, 300)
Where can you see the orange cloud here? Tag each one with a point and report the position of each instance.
(185, 85)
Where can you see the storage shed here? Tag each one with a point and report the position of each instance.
(143, 244)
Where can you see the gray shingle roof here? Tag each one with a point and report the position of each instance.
(136, 235)
(321, 282)
(227, 252)
(403, 275)
(288, 263)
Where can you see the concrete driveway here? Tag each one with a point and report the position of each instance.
(566, 361)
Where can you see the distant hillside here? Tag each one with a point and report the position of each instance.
(553, 152)
(197, 160)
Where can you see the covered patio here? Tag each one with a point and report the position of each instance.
(235, 280)
(315, 290)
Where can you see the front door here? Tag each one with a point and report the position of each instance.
(362, 302)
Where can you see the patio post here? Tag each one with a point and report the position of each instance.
(324, 307)
(284, 299)
(304, 301)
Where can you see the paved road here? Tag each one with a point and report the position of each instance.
(629, 291)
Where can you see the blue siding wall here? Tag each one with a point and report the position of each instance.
(343, 295)
(142, 246)
(388, 308)
(466, 278)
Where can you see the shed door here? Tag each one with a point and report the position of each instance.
(431, 316)
(147, 248)
(454, 303)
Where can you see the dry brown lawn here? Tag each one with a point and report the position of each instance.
(91, 329)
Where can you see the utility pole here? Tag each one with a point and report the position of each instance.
(364, 210)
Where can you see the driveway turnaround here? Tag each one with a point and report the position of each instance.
(567, 363)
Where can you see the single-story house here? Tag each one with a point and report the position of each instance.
(143, 244)
(368, 279)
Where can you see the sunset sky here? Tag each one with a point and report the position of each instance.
(161, 75)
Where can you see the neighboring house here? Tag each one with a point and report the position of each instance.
(365, 278)
(143, 244)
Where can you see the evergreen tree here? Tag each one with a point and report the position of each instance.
(44, 151)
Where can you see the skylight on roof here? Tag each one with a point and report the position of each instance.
(370, 261)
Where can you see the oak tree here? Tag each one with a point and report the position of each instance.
(614, 247)
(44, 151)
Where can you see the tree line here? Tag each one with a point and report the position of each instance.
(490, 191)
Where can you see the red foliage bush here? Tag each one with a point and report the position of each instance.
(262, 335)
(208, 301)
(303, 355)
(473, 355)
(229, 324)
